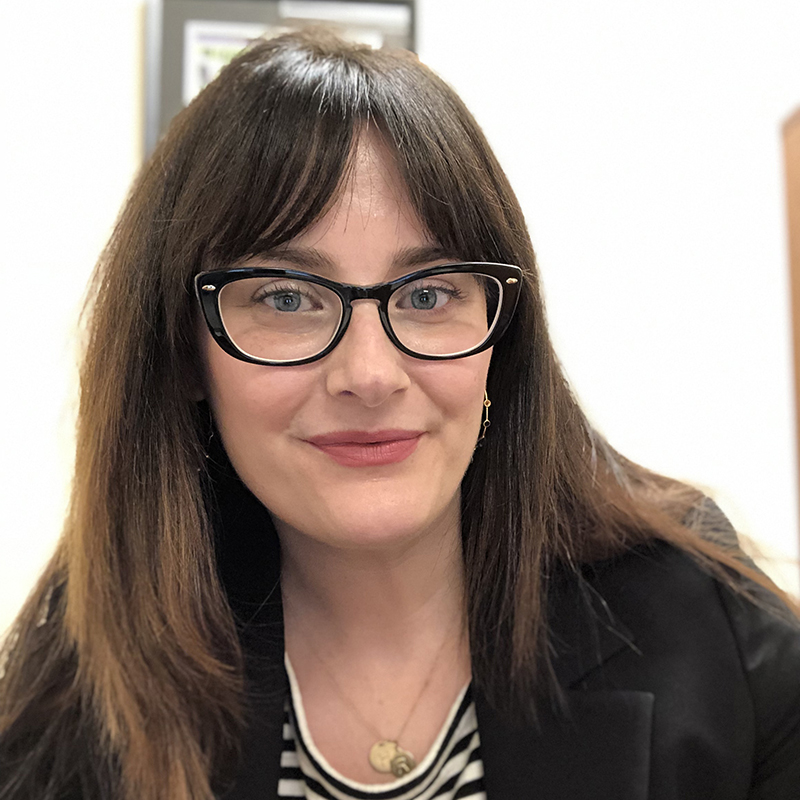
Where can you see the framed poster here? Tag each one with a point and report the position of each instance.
(189, 41)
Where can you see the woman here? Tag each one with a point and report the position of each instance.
(338, 527)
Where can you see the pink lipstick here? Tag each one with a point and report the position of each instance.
(367, 448)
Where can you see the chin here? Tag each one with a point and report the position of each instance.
(379, 533)
(374, 522)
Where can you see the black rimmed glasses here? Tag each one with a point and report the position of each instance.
(284, 317)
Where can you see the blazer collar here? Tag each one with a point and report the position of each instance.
(584, 632)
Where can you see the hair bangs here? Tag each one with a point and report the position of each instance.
(455, 183)
(271, 141)
(274, 135)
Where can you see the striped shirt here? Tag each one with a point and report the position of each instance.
(452, 770)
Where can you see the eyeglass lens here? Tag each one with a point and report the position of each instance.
(286, 319)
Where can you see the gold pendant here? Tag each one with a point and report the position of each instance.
(387, 756)
(402, 763)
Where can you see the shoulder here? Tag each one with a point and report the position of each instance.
(659, 590)
(674, 688)
(724, 670)
(671, 605)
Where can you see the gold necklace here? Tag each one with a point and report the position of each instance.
(386, 755)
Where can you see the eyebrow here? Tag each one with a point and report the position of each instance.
(410, 257)
(311, 260)
(305, 258)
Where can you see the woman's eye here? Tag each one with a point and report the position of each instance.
(427, 298)
(424, 299)
(288, 299)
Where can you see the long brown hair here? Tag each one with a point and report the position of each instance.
(124, 670)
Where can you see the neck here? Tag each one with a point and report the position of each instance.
(376, 640)
(384, 599)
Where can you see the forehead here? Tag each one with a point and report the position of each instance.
(371, 232)
(372, 204)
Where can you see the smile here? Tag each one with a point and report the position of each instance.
(367, 449)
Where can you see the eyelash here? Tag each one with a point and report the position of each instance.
(452, 292)
(275, 289)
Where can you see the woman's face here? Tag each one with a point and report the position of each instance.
(367, 446)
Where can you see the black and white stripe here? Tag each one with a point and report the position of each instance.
(452, 770)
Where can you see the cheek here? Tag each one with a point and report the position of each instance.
(249, 399)
(457, 389)
(260, 410)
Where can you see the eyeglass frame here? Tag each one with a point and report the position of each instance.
(208, 286)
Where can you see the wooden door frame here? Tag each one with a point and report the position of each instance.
(791, 152)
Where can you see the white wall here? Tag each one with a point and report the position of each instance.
(643, 140)
(644, 143)
(69, 146)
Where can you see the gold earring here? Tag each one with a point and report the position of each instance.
(486, 421)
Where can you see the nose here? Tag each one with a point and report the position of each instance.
(365, 364)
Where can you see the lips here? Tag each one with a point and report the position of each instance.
(367, 448)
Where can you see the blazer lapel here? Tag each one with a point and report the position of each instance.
(260, 764)
(597, 743)
(248, 559)
(599, 748)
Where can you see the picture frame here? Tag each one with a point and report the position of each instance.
(188, 41)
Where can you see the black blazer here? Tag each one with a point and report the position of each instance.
(676, 689)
